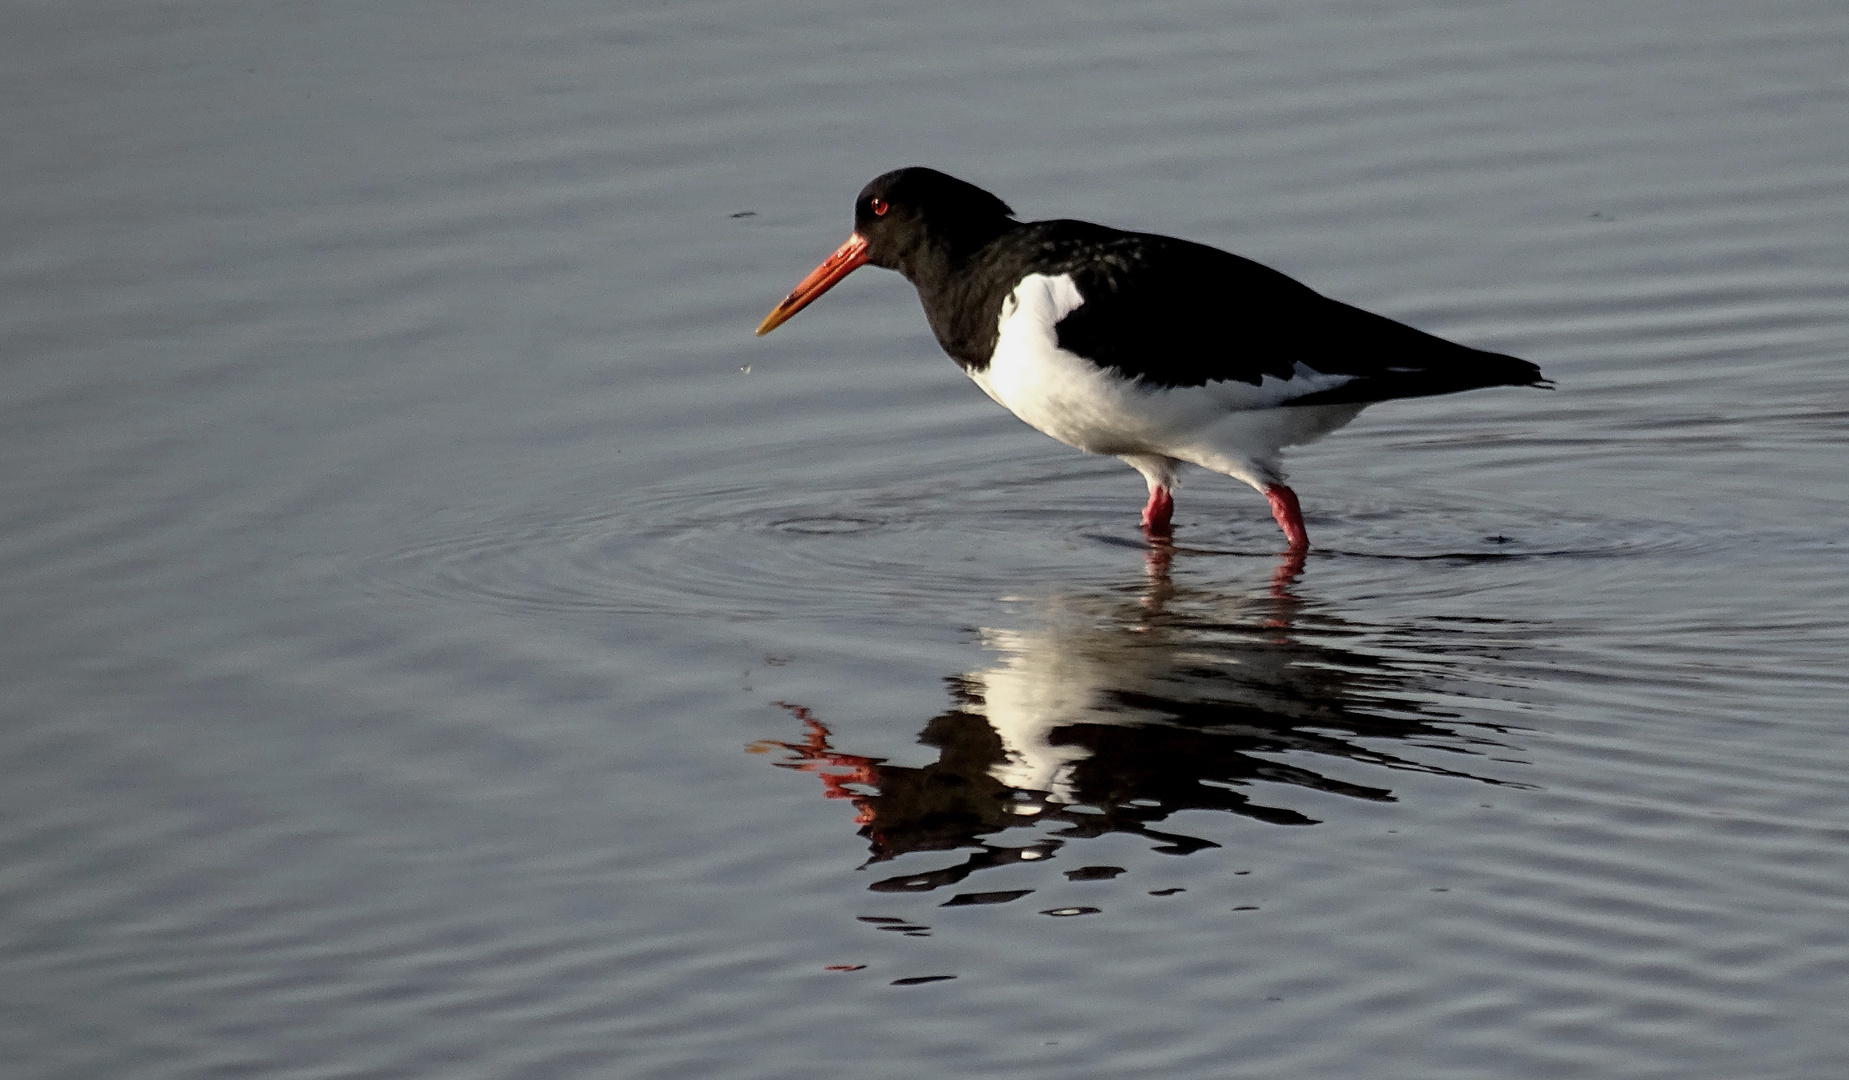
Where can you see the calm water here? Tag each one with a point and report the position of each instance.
(441, 642)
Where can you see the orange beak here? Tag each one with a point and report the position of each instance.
(820, 280)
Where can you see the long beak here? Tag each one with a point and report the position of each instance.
(820, 280)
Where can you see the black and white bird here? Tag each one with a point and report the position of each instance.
(1154, 350)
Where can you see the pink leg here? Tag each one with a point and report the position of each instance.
(1289, 515)
(1156, 514)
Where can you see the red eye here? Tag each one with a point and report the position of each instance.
(878, 206)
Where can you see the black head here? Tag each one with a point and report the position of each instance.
(911, 210)
(917, 221)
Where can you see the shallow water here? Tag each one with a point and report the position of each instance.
(442, 642)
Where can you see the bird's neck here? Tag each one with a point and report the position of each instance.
(961, 285)
(943, 254)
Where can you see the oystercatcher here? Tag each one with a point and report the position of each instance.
(1155, 350)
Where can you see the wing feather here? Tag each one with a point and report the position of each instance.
(1173, 313)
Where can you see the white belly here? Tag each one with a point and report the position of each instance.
(1230, 427)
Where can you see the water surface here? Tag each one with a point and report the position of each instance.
(440, 641)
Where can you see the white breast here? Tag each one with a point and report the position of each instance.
(1062, 393)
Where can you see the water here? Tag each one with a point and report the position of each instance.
(440, 641)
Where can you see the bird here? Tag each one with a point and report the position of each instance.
(1152, 349)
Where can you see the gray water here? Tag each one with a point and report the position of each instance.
(441, 641)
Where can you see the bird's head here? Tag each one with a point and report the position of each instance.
(901, 220)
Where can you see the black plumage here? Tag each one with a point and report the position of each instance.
(1165, 311)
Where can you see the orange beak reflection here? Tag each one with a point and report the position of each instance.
(820, 280)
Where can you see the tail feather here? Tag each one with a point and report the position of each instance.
(1474, 369)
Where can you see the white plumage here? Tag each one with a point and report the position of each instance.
(1233, 428)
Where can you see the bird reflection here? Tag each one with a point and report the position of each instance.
(1112, 711)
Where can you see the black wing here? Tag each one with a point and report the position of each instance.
(1174, 313)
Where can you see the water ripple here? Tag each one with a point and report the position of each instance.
(753, 550)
